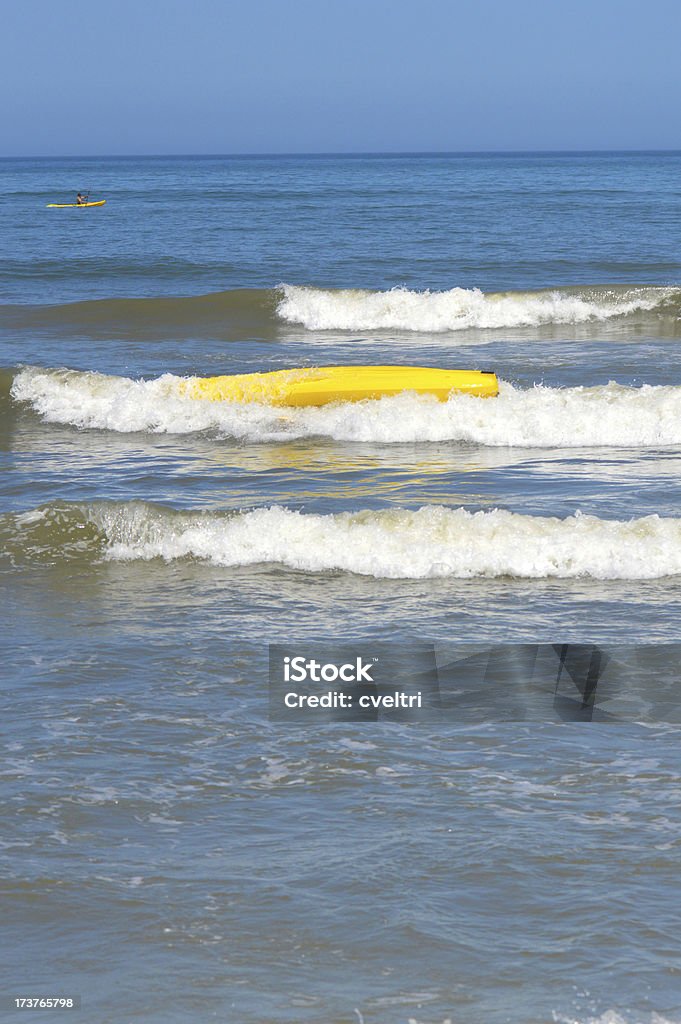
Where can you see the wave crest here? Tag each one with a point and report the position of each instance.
(429, 542)
(609, 415)
(460, 308)
(269, 314)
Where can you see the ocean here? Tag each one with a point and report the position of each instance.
(170, 853)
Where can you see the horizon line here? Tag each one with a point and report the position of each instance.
(338, 153)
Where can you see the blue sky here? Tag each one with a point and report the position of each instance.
(226, 76)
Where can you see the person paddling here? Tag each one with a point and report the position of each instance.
(81, 200)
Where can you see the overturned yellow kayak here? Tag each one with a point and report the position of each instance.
(65, 206)
(323, 384)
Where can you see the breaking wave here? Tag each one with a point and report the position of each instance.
(610, 415)
(267, 314)
(459, 308)
(430, 542)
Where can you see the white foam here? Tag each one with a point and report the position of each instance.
(401, 309)
(615, 1017)
(609, 415)
(96, 400)
(432, 541)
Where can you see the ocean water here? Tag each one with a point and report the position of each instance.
(168, 853)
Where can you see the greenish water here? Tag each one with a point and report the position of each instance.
(169, 854)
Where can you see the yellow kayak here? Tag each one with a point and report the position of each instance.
(323, 384)
(64, 206)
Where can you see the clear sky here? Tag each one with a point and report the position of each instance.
(268, 76)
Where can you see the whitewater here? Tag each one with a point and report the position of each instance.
(315, 315)
(404, 309)
(169, 852)
(426, 543)
(610, 415)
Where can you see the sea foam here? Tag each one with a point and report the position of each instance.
(429, 542)
(401, 309)
(609, 415)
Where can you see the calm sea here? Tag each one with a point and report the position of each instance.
(168, 853)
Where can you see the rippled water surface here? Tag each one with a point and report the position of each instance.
(171, 855)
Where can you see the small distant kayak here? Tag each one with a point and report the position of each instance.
(64, 206)
(324, 384)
